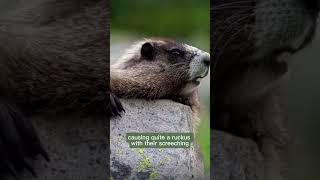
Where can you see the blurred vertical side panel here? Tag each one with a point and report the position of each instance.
(265, 92)
(54, 61)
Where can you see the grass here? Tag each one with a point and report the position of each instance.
(203, 139)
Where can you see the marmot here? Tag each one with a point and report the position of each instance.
(250, 42)
(160, 68)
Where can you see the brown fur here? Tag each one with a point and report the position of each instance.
(58, 60)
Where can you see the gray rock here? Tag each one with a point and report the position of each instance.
(234, 158)
(151, 163)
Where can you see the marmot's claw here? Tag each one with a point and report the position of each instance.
(119, 105)
(115, 106)
(18, 140)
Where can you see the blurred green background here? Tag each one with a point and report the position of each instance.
(187, 21)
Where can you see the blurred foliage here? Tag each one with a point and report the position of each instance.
(179, 19)
(203, 138)
(184, 20)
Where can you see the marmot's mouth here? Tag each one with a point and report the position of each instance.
(200, 77)
(205, 74)
(199, 66)
(196, 81)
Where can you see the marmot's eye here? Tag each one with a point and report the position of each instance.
(176, 52)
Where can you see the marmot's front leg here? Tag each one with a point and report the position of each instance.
(18, 140)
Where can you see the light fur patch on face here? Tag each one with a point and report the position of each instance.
(192, 49)
(198, 68)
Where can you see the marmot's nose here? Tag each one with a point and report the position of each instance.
(206, 60)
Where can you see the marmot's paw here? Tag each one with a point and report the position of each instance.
(18, 141)
(115, 106)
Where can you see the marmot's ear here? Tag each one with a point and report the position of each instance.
(147, 50)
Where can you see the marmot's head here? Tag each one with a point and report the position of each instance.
(251, 40)
(257, 30)
(162, 68)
